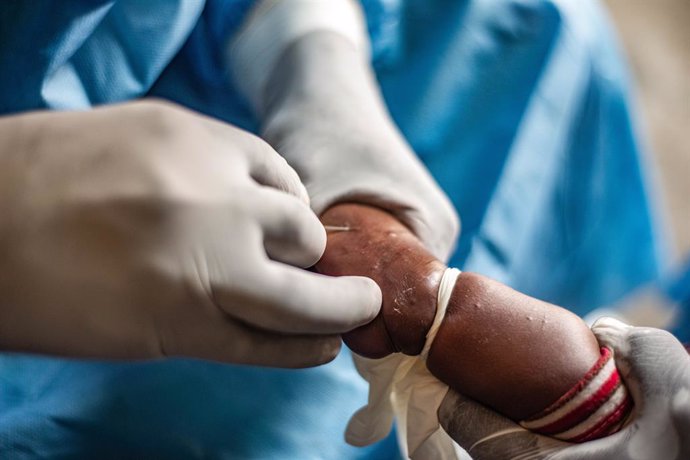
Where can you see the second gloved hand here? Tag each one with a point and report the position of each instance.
(656, 369)
(145, 230)
(325, 115)
(304, 67)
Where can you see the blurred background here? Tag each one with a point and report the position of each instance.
(656, 37)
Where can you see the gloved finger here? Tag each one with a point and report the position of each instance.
(292, 232)
(268, 168)
(467, 421)
(297, 301)
(485, 434)
(680, 413)
(220, 337)
(651, 361)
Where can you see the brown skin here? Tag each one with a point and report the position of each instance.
(509, 351)
(512, 352)
(380, 247)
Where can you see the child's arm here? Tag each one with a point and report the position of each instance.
(515, 354)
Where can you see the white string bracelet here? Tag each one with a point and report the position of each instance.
(445, 289)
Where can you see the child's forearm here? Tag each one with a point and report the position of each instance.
(514, 353)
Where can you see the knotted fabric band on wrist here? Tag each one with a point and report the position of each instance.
(595, 407)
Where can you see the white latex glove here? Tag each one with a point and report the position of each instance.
(656, 370)
(402, 388)
(322, 110)
(145, 230)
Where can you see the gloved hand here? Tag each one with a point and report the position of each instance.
(145, 230)
(656, 370)
(321, 109)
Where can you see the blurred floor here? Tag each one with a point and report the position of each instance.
(656, 35)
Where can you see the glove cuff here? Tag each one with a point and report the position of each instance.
(274, 24)
(595, 407)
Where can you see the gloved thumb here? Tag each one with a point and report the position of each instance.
(467, 421)
(487, 435)
(642, 356)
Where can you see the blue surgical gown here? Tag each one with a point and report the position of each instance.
(677, 290)
(519, 108)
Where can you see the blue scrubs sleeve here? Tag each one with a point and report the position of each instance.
(74, 54)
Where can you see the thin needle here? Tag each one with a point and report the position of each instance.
(337, 228)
